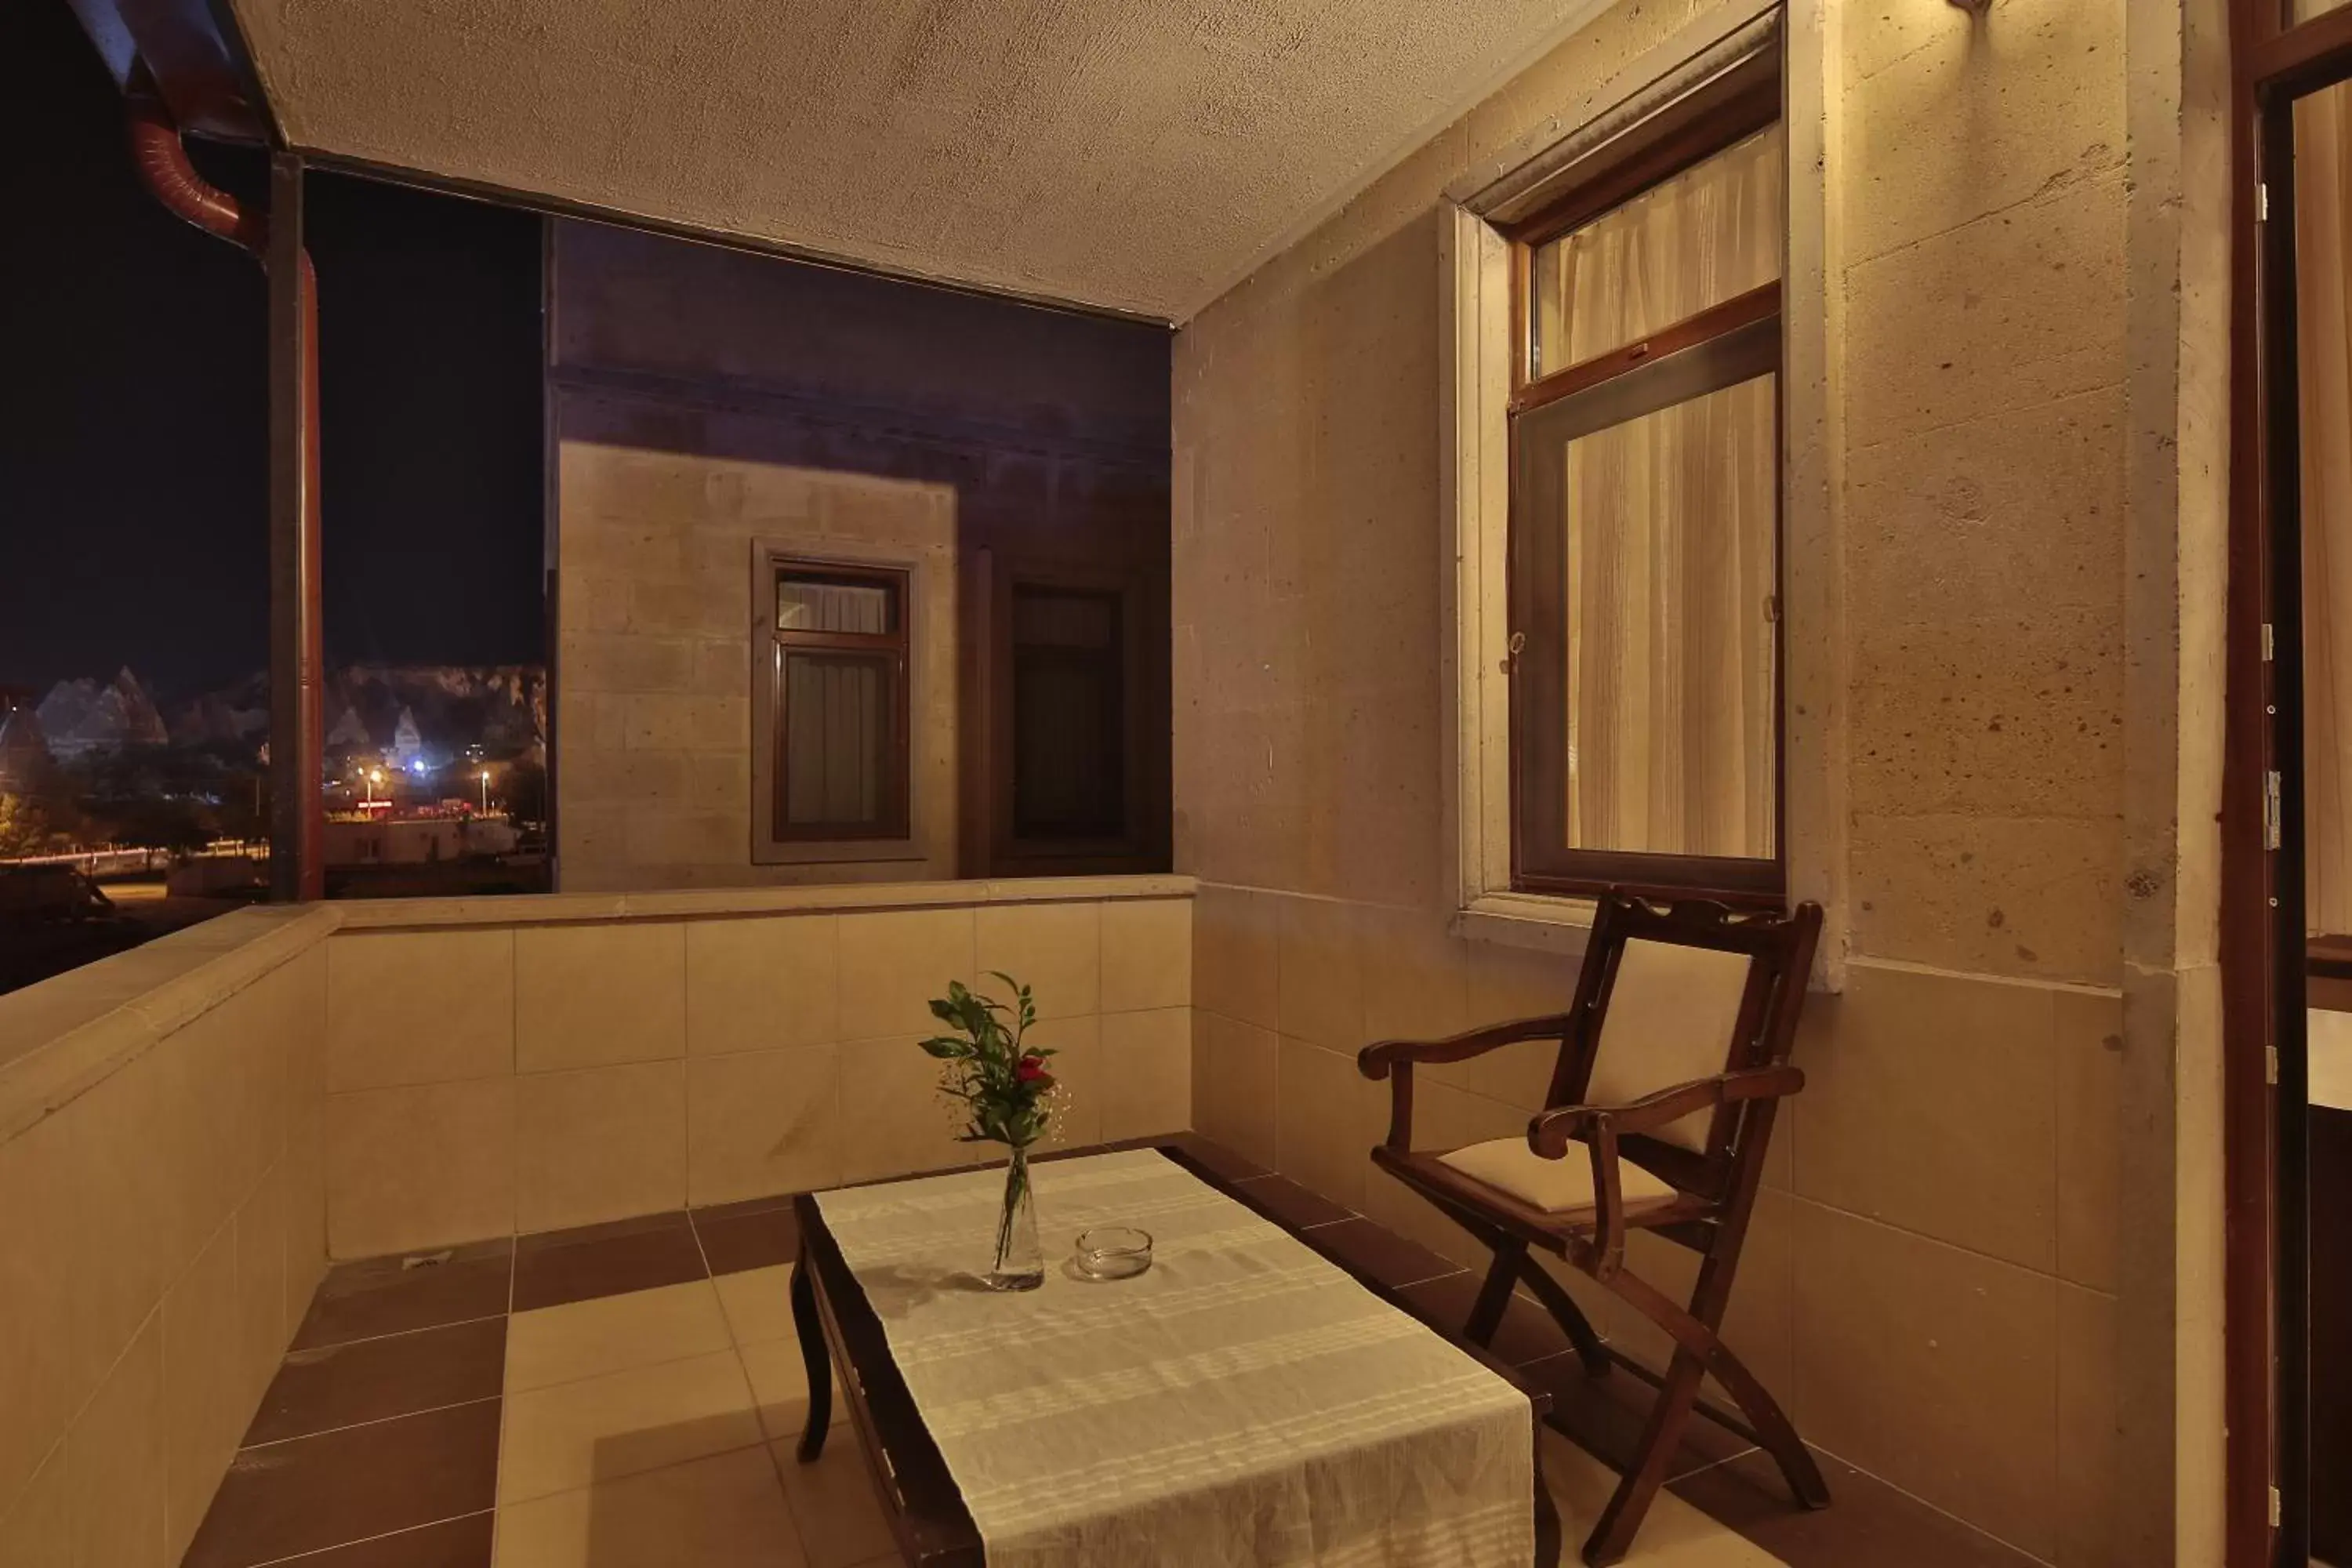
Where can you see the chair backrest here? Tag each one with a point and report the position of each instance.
(1685, 992)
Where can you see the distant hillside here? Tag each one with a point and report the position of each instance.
(500, 708)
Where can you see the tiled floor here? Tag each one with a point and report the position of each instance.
(625, 1395)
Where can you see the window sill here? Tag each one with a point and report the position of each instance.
(1555, 925)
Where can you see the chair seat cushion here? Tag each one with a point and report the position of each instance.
(1554, 1186)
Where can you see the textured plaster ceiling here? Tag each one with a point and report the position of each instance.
(1138, 156)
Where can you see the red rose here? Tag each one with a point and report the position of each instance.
(1032, 1070)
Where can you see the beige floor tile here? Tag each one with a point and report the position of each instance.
(623, 1424)
(840, 1519)
(724, 1511)
(612, 1333)
(780, 1389)
(1673, 1535)
(759, 1304)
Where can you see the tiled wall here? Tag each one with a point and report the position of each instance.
(1928, 1282)
(162, 1228)
(484, 1079)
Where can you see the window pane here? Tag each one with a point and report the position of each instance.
(1666, 652)
(1069, 723)
(812, 601)
(836, 738)
(1710, 233)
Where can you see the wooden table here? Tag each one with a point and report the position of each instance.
(839, 1329)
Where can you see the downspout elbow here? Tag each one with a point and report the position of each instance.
(164, 167)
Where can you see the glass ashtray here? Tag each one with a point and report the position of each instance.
(1113, 1252)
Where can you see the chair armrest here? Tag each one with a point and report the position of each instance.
(1374, 1061)
(1550, 1133)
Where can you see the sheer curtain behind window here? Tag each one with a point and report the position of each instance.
(1670, 519)
(2323, 212)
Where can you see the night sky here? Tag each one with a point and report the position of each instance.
(134, 438)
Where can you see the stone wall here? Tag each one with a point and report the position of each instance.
(1931, 1284)
(703, 399)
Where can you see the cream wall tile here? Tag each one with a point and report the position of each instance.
(2088, 1431)
(1931, 1367)
(893, 1122)
(2090, 1042)
(304, 1209)
(1078, 1071)
(204, 1406)
(1146, 1073)
(612, 1333)
(116, 1139)
(36, 1531)
(1415, 973)
(1321, 993)
(407, 1008)
(1234, 1088)
(757, 984)
(209, 1129)
(1236, 943)
(262, 1327)
(1055, 950)
(118, 1462)
(599, 1144)
(591, 995)
(415, 1168)
(1508, 983)
(1327, 1121)
(1147, 954)
(38, 1390)
(724, 1511)
(893, 963)
(622, 1424)
(762, 1123)
(1933, 1107)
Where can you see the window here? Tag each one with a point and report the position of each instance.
(838, 696)
(1645, 530)
(1069, 714)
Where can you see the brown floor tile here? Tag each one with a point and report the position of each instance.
(361, 1300)
(350, 1486)
(1216, 1156)
(1527, 1334)
(1288, 1204)
(1378, 1251)
(733, 1243)
(563, 1266)
(373, 1379)
(454, 1543)
(1868, 1523)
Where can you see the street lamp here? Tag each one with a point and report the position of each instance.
(486, 792)
(375, 777)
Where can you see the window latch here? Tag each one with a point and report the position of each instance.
(1511, 650)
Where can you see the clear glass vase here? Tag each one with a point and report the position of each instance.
(1020, 1260)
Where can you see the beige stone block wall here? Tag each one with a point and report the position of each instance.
(658, 632)
(597, 1065)
(1932, 1285)
(162, 1208)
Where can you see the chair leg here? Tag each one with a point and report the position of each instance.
(1697, 1337)
(1495, 1294)
(1569, 1315)
(1630, 1504)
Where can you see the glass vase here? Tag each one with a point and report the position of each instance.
(1020, 1260)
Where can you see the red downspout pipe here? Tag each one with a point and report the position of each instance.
(297, 769)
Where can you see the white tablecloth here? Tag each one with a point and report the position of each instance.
(1242, 1402)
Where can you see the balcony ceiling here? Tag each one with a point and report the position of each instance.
(1134, 156)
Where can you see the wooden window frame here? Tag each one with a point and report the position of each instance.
(893, 823)
(1732, 342)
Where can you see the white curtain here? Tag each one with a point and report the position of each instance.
(2323, 196)
(1671, 537)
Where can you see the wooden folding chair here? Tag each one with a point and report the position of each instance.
(1673, 1059)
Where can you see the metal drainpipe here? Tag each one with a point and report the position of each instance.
(297, 736)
